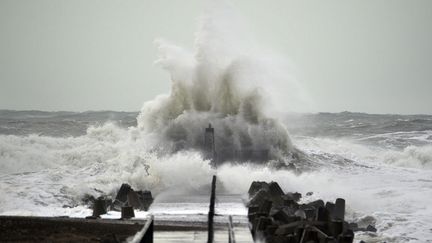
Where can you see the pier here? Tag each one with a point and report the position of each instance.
(204, 224)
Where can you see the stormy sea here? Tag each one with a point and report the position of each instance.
(381, 165)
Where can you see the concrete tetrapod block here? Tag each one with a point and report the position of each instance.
(336, 227)
(99, 207)
(323, 214)
(275, 190)
(256, 186)
(300, 213)
(311, 213)
(263, 222)
(330, 208)
(133, 200)
(286, 229)
(316, 204)
(292, 196)
(339, 209)
(266, 207)
(127, 212)
(284, 217)
(253, 209)
(123, 192)
(259, 198)
(146, 199)
(347, 237)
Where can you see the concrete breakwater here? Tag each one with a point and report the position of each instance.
(126, 200)
(278, 217)
(274, 216)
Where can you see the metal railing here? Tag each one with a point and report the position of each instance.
(211, 211)
(145, 235)
(231, 236)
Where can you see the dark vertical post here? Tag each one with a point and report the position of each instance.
(211, 211)
(209, 143)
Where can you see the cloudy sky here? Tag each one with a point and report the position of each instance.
(365, 56)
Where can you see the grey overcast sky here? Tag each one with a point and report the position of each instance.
(365, 56)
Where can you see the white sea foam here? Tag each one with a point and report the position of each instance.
(396, 197)
(411, 156)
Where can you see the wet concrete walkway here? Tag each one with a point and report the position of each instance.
(242, 235)
(191, 210)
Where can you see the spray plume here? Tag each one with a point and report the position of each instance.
(220, 82)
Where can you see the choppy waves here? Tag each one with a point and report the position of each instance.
(411, 156)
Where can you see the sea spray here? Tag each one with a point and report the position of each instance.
(220, 82)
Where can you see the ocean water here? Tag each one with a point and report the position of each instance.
(381, 165)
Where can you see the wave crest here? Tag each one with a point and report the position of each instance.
(411, 156)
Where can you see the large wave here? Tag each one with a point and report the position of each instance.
(220, 82)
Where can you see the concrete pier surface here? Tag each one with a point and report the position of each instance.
(180, 218)
(242, 235)
(183, 218)
(63, 229)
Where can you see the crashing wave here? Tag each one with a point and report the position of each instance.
(217, 84)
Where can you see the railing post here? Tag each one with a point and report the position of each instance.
(211, 211)
(231, 237)
(148, 234)
(145, 235)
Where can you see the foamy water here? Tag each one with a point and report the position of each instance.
(49, 175)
